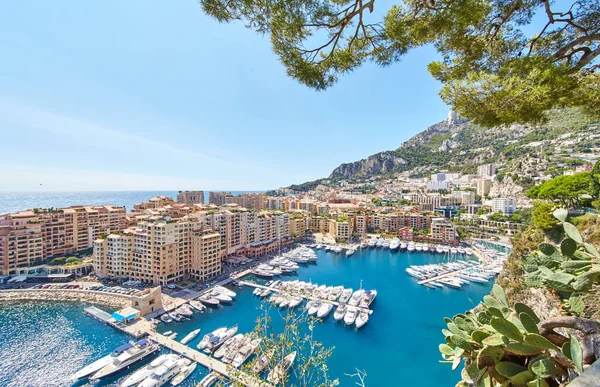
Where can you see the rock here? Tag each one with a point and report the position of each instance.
(379, 163)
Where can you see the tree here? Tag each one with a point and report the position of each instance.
(542, 216)
(595, 180)
(58, 261)
(564, 189)
(492, 69)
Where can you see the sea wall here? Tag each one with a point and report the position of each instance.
(94, 297)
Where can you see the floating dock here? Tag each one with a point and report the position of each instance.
(335, 303)
(107, 318)
(213, 364)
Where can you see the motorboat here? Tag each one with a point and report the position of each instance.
(367, 298)
(211, 336)
(362, 319)
(418, 247)
(345, 296)
(446, 249)
(313, 307)
(356, 297)
(257, 291)
(221, 297)
(295, 301)
(350, 316)
(175, 316)
(100, 363)
(225, 291)
(183, 374)
(425, 247)
(278, 373)
(216, 342)
(461, 250)
(324, 310)
(198, 305)
(349, 252)
(469, 251)
(453, 250)
(242, 355)
(334, 293)
(411, 247)
(285, 301)
(209, 300)
(167, 333)
(340, 311)
(172, 336)
(327, 248)
(219, 353)
(372, 243)
(165, 372)
(386, 244)
(318, 246)
(184, 310)
(262, 273)
(166, 318)
(395, 244)
(439, 249)
(190, 336)
(379, 243)
(263, 361)
(209, 380)
(141, 374)
(128, 358)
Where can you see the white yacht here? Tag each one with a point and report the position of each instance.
(410, 247)
(386, 244)
(439, 249)
(395, 244)
(212, 336)
(263, 362)
(419, 247)
(350, 316)
(138, 352)
(461, 250)
(469, 251)
(215, 344)
(190, 336)
(324, 310)
(207, 299)
(100, 363)
(313, 307)
(362, 319)
(403, 245)
(319, 246)
(278, 373)
(165, 372)
(446, 249)
(224, 290)
(425, 247)
(209, 380)
(349, 252)
(345, 296)
(372, 243)
(221, 297)
(197, 305)
(295, 301)
(379, 242)
(141, 374)
(185, 372)
(242, 355)
(340, 311)
(453, 250)
(356, 297)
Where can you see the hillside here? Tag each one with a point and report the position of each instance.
(462, 146)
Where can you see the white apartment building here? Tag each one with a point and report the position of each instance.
(504, 206)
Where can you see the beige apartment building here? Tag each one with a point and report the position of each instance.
(341, 229)
(190, 197)
(29, 238)
(218, 198)
(206, 259)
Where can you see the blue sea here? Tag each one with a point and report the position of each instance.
(42, 343)
(18, 201)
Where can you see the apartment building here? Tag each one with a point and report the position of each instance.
(298, 225)
(487, 170)
(154, 203)
(190, 197)
(29, 238)
(341, 229)
(504, 206)
(206, 260)
(443, 231)
(483, 187)
(218, 198)
(255, 201)
(318, 224)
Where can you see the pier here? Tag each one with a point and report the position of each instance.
(208, 362)
(135, 330)
(449, 274)
(335, 303)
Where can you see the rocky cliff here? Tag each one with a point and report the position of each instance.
(376, 164)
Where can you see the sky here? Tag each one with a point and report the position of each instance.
(154, 95)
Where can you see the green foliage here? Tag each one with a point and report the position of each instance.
(564, 189)
(494, 68)
(542, 216)
(594, 187)
(58, 261)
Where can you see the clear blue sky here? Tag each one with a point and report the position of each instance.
(126, 95)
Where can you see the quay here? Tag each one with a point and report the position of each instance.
(335, 303)
(134, 330)
(449, 274)
(207, 361)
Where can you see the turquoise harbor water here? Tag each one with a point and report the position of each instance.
(41, 344)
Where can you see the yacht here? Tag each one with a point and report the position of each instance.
(379, 242)
(215, 344)
(340, 312)
(172, 336)
(166, 318)
(324, 310)
(395, 244)
(183, 374)
(446, 249)
(454, 250)
(313, 307)
(372, 243)
(349, 252)
(461, 250)
(345, 296)
(425, 247)
(225, 291)
(356, 297)
(367, 298)
(263, 362)
(362, 319)
(242, 355)
(419, 247)
(319, 246)
(327, 248)
(386, 244)
(209, 300)
(469, 251)
(184, 310)
(165, 372)
(295, 301)
(190, 336)
(131, 356)
(278, 373)
(227, 345)
(209, 380)
(439, 249)
(198, 305)
(221, 297)
(100, 363)
(411, 247)
(212, 336)
(403, 245)
(350, 316)
(141, 374)
(175, 316)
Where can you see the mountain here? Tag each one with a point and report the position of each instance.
(461, 146)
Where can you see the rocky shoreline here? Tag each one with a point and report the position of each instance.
(112, 300)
